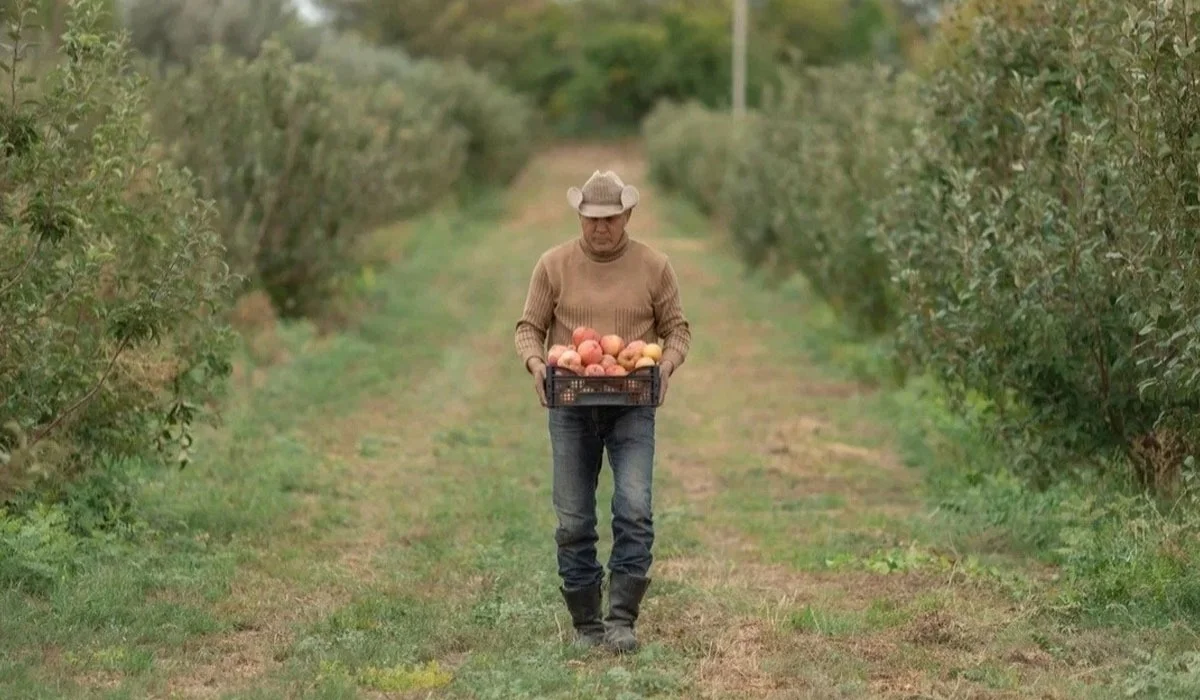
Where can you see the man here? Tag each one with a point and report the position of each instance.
(613, 284)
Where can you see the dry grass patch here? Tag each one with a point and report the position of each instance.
(265, 609)
(903, 635)
(938, 628)
(728, 651)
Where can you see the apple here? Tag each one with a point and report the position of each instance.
(583, 333)
(593, 371)
(555, 354)
(644, 362)
(571, 360)
(590, 352)
(630, 354)
(608, 361)
(612, 344)
(627, 358)
(615, 371)
(653, 351)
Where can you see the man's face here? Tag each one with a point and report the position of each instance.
(603, 235)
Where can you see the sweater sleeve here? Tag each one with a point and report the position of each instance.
(670, 323)
(535, 320)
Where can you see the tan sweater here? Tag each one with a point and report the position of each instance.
(632, 292)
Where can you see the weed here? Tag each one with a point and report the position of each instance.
(401, 678)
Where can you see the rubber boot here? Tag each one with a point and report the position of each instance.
(625, 593)
(585, 608)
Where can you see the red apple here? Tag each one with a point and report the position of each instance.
(583, 333)
(570, 360)
(593, 371)
(636, 347)
(608, 361)
(555, 353)
(612, 344)
(590, 352)
(615, 371)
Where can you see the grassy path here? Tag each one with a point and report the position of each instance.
(375, 521)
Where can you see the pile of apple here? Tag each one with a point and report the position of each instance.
(593, 355)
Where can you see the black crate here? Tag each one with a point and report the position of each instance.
(638, 388)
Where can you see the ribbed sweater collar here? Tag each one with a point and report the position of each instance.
(609, 256)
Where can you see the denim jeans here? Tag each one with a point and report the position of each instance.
(578, 438)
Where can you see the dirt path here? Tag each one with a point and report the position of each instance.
(789, 562)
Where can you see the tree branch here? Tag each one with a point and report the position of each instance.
(21, 269)
(112, 363)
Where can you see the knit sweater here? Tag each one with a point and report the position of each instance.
(631, 291)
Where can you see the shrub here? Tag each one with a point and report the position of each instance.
(800, 179)
(689, 148)
(805, 181)
(176, 31)
(299, 167)
(111, 279)
(353, 60)
(1046, 227)
(498, 124)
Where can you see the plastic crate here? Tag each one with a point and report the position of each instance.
(638, 388)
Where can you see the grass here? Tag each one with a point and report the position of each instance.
(374, 519)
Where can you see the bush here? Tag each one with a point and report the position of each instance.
(689, 149)
(176, 31)
(298, 167)
(805, 182)
(1046, 227)
(801, 184)
(354, 60)
(498, 124)
(111, 279)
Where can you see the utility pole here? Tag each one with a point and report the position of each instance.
(740, 12)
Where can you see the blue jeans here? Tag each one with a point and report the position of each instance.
(578, 438)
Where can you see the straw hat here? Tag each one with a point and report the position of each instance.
(603, 195)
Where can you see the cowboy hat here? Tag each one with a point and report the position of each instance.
(603, 195)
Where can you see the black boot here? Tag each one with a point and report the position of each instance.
(625, 593)
(584, 605)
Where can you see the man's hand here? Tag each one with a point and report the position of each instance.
(538, 368)
(664, 373)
